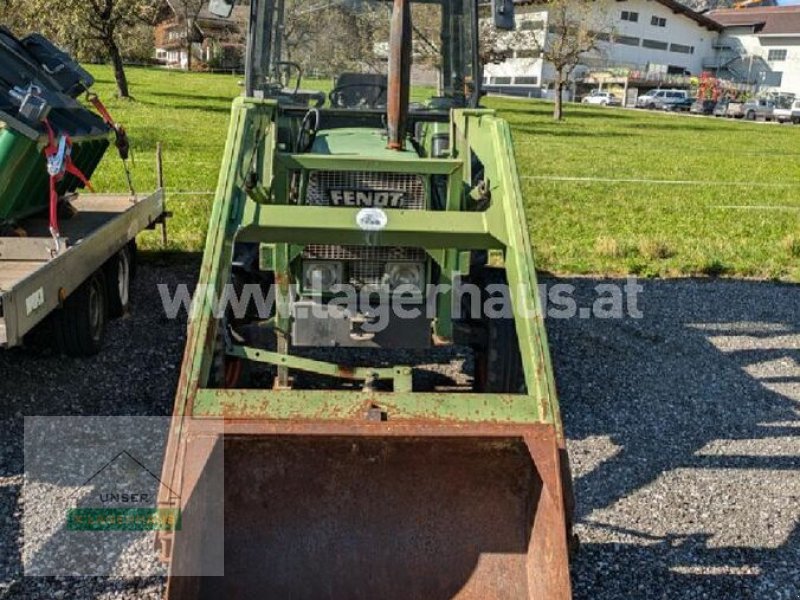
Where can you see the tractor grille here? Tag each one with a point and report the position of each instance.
(320, 182)
(365, 265)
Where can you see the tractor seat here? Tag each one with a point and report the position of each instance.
(360, 90)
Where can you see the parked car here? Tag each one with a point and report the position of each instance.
(721, 108)
(661, 98)
(787, 111)
(759, 108)
(681, 105)
(601, 98)
(703, 107)
(735, 109)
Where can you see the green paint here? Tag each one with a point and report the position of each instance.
(358, 142)
(323, 405)
(124, 519)
(24, 182)
(401, 376)
(282, 228)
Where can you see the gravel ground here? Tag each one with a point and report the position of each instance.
(684, 431)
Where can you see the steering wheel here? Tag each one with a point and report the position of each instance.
(338, 101)
(308, 131)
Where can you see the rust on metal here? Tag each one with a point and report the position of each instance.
(399, 92)
(426, 515)
(345, 372)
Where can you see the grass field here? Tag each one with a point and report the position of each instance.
(597, 187)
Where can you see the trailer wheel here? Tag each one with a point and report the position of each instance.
(118, 275)
(498, 364)
(133, 252)
(80, 325)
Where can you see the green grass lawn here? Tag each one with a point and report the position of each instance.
(742, 221)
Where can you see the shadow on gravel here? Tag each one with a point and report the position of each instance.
(683, 426)
(136, 374)
(697, 494)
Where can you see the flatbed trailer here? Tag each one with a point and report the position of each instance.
(49, 284)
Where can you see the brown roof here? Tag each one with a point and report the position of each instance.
(766, 20)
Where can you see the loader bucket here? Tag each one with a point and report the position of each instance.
(369, 517)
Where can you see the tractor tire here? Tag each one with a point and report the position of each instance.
(79, 327)
(751, 116)
(119, 275)
(498, 364)
(498, 369)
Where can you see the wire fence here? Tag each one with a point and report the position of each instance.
(682, 182)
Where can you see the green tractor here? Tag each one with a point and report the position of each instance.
(360, 229)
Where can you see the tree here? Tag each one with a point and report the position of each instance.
(188, 12)
(494, 46)
(575, 28)
(86, 26)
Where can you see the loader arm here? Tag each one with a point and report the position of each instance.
(500, 426)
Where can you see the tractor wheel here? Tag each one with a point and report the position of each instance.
(751, 116)
(80, 325)
(119, 274)
(498, 369)
(498, 364)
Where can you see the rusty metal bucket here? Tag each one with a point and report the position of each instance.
(362, 516)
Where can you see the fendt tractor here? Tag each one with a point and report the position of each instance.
(314, 451)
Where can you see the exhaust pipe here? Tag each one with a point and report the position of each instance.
(399, 93)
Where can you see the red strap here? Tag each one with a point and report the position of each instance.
(73, 170)
(51, 147)
(53, 208)
(69, 167)
(122, 143)
(101, 108)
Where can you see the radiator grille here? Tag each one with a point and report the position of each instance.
(320, 182)
(366, 265)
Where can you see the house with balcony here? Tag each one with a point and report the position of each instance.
(216, 42)
(760, 46)
(644, 44)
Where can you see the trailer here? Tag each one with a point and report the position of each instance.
(66, 258)
(69, 294)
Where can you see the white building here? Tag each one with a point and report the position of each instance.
(760, 46)
(661, 36)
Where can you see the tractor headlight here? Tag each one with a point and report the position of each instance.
(407, 274)
(321, 276)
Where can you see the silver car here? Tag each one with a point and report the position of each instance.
(661, 99)
(760, 108)
(787, 111)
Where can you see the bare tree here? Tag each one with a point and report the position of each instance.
(494, 46)
(575, 28)
(188, 12)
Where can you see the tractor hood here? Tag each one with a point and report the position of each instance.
(358, 141)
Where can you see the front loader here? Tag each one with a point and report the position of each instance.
(313, 452)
